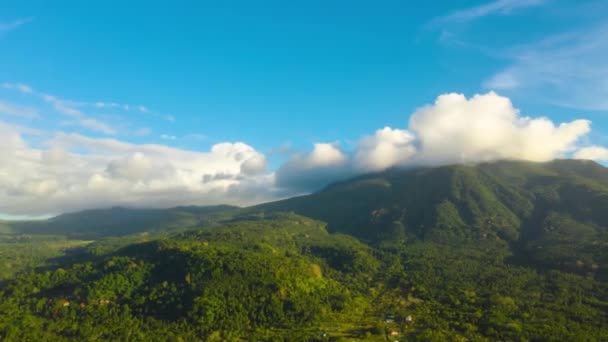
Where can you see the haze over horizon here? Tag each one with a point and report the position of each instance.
(275, 101)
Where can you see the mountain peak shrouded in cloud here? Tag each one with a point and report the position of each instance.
(487, 127)
(452, 130)
(71, 171)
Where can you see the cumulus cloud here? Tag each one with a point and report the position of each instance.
(386, 148)
(254, 165)
(73, 172)
(597, 153)
(454, 129)
(488, 127)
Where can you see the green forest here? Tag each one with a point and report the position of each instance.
(507, 251)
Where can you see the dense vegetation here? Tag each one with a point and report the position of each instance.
(501, 251)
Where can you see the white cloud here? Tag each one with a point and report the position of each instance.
(256, 164)
(569, 70)
(487, 127)
(96, 125)
(386, 148)
(66, 107)
(140, 132)
(76, 109)
(452, 130)
(597, 153)
(126, 107)
(168, 137)
(11, 109)
(322, 155)
(22, 88)
(498, 7)
(74, 172)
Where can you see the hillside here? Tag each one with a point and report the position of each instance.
(284, 277)
(510, 251)
(554, 213)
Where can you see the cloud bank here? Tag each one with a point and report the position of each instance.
(452, 130)
(69, 172)
(74, 172)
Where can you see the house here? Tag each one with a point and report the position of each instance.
(65, 303)
(409, 319)
(393, 332)
(389, 319)
(104, 302)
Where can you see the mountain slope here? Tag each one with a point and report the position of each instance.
(555, 213)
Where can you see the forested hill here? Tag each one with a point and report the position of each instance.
(283, 277)
(510, 251)
(555, 212)
(504, 198)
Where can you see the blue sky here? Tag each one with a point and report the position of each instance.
(280, 77)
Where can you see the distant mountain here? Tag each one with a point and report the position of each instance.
(120, 221)
(555, 213)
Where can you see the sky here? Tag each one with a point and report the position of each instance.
(158, 104)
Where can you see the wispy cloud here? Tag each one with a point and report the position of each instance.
(9, 26)
(569, 69)
(20, 87)
(65, 107)
(77, 110)
(12, 109)
(168, 137)
(498, 7)
(68, 108)
(141, 132)
(122, 106)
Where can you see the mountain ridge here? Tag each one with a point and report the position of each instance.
(498, 251)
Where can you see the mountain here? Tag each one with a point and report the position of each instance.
(509, 251)
(555, 213)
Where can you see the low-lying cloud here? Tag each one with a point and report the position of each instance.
(452, 130)
(69, 172)
(75, 172)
